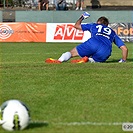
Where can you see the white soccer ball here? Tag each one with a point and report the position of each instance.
(14, 115)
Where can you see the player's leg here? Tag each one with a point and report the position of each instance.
(64, 57)
(77, 5)
(67, 55)
(86, 50)
(82, 4)
(81, 50)
(47, 5)
(73, 53)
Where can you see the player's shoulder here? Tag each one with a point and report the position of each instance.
(93, 25)
(87, 23)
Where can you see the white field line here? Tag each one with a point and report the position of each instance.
(47, 53)
(22, 62)
(91, 123)
(28, 53)
(82, 123)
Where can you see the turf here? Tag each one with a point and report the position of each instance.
(67, 98)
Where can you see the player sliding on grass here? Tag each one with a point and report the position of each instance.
(96, 49)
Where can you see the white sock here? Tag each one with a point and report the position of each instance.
(91, 60)
(65, 56)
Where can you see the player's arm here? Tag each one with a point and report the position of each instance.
(123, 47)
(77, 25)
(124, 53)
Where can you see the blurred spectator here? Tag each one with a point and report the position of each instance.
(79, 4)
(95, 4)
(43, 4)
(60, 4)
(34, 3)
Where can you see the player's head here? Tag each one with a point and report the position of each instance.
(103, 20)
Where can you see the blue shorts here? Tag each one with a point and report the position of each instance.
(99, 51)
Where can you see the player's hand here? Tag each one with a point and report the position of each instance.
(85, 15)
(121, 61)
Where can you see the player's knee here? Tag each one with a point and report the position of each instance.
(74, 52)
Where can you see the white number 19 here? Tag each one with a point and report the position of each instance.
(106, 31)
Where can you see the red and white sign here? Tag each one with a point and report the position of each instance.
(65, 32)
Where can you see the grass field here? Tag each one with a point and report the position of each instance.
(67, 98)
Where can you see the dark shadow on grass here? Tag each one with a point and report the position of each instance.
(116, 61)
(130, 60)
(33, 125)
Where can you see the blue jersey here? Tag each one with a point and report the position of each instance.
(99, 46)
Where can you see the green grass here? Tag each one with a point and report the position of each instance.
(94, 96)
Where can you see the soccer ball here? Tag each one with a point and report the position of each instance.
(14, 115)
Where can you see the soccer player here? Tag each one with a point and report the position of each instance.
(98, 48)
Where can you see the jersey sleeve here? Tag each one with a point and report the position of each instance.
(86, 27)
(118, 41)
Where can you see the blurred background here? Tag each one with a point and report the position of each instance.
(71, 4)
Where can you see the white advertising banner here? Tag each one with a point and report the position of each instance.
(65, 32)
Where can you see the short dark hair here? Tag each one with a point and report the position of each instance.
(103, 20)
